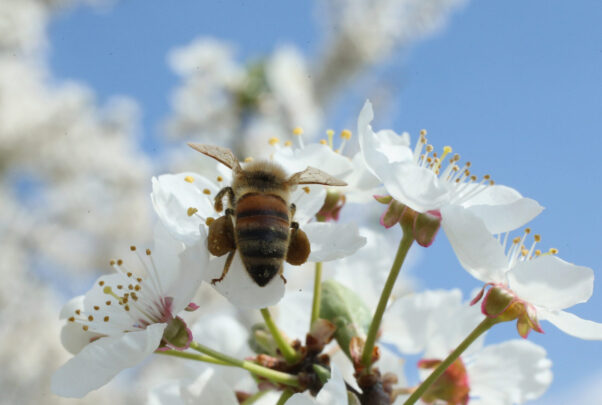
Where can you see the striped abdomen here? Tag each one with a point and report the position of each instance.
(262, 233)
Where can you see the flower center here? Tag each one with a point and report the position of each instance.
(130, 302)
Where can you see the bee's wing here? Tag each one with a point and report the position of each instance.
(220, 154)
(311, 175)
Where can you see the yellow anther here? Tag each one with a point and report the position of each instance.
(527, 230)
(71, 319)
(423, 132)
(220, 178)
(119, 286)
(148, 252)
(209, 221)
(248, 159)
(139, 279)
(90, 318)
(108, 303)
(298, 131)
(288, 143)
(346, 134)
(516, 240)
(273, 141)
(306, 189)
(129, 274)
(537, 238)
(537, 252)
(85, 328)
(101, 283)
(323, 142)
(189, 179)
(524, 252)
(446, 150)
(112, 262)
(486, 177)
(191, 211)
(96, 307)
(473, 178)
(127, 307)
(119, 262)
(553, 251)
(330, 132)
(206, 191)
(429, 148)
(78, 312)
(106, 319)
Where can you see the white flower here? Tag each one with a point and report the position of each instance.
(543, 284)
(422, 180)
(435, 322)
(184, 202)
(129, 315)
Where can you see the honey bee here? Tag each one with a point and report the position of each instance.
(258, 220)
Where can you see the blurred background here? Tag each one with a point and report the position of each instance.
(97, 96)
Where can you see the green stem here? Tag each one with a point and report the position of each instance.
(478, 331)
(253, 398)
(193, 356)
(284, 397)
(286, 349)
(402, 251)
(272, 375)
(315, 306)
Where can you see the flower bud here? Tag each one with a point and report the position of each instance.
(177, 335)
(332, 206)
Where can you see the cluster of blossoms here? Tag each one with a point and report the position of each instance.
(337, 337)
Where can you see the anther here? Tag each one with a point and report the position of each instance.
(423, 132)
(191, 211)
(90, 318)
(101, 283)
(108, 303)
(130, 287)
(298, 131)
(553, 251)
(71, 319)
(119, 286)
(537, 252)
(137, 287)
(112, 262)
(288, 143)
(486, 177)
(248, 159)
(220, 178)
(148, 252)
(527, 230)
(516, 240)
(133, 248)
(273, 141)
(537, 238)
(209, 221)
(429, 148)
(78, 312)
(85, 328)
(127, 307)
(119, 262)
(106, 319)
(323, 142)
(346, 134)
(206, 191)
(96, 307)
(306, 189)
(189, 179)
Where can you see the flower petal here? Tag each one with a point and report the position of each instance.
(208, 388)
(97, 363)
(573, 325)
(308, 200)
(314, 155)
(240, 289)
(503, 209)
(513, 372)
(172, 195)
(477, 250)
(552, 283)
(331, 241)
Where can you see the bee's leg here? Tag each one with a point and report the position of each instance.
(226, 268)
(282, 277)
(298, 246)
(220, 239)
(218, 203)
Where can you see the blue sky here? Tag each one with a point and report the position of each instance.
(515, 87)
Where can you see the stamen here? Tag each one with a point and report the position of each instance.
(298, 132)
(206, 191)
(323, 142)
(273, 141)
(189, 179)
(346, 134)
(288, 143)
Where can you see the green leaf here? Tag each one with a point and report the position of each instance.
(346, 310)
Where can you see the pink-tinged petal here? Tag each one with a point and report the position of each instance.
(476, 249)
(383, 148)
(573, 325)
(552, 283)
(191, 307)
(415, 186)
(502, 208)
(513, 372)
(172, 195)
(100, 361)
(331, 241)
(240, 289)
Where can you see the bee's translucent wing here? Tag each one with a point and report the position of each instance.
(220, 154)
(311, 175)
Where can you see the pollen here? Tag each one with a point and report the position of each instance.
(148, 252)
(346, 134)
(189, 179)
(191, 211)
(209, 221)
(273, 141)
(298, 131)
(306, 189)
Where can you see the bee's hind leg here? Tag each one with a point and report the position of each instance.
(226, 268)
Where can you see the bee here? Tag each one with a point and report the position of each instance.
(258, 220)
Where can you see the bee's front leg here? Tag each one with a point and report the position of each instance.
(221, 241)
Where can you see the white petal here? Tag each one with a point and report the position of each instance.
(573, 325)
(477, 250)
(331, 241)
(104, 358)
(552, 283)
(362, 184)
(240, 289)
(171, 198)
(208, 388)
(224, 333)
(316, 155)
(415, 186)
(511, 372)
(165, 394)
(308, 199)
(503, 209)
(74, 338)
(383, 148)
